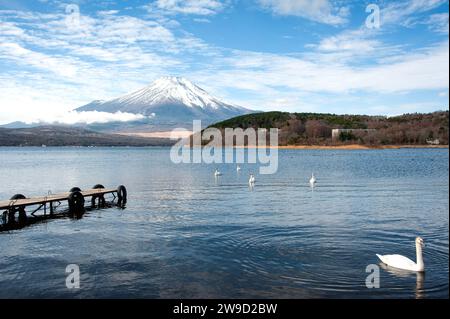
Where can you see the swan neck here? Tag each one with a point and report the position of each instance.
(420, 263)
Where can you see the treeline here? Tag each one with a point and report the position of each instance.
(70, 136)
(316, 128)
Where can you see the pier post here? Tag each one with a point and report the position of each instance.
(101, 198)
(22, 215)
(12, 215)
(76, 203)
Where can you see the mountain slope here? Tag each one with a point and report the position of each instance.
(316, 129)
(171, 100)
(70, 136)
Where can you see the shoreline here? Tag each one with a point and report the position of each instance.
(283, 147)
(353, 147)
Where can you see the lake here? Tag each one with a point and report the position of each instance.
(185, 234)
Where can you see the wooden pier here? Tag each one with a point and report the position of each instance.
(38, 208)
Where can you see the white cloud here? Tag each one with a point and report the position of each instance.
(58, 65)
(194, 7)
(271, 74)
(438, 23)
(322, 11)
(34, 105)
(400, 12)
(356, 41)
(74, 117)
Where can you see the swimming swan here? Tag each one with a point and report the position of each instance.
(402, 262)
(313, 180)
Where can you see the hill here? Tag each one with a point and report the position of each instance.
(316, 128)
(71, 136)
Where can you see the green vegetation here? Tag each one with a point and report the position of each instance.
(269, 119)
(347, 136)
(261, 120)
(316, 128)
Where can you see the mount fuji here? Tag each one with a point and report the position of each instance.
(167, 103)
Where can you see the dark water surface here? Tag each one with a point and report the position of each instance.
(186, 235)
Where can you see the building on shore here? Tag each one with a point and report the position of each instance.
(336, 133)
(433, 141)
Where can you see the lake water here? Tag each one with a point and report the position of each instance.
(186, 235)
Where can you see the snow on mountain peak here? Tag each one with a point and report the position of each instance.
(170, 101)
(172, 89)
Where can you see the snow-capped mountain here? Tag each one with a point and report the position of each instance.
(171, 100)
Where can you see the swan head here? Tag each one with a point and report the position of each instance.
(419, 242)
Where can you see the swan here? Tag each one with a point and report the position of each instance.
(251, 179)
(313, 180)
(238, 168)
(402, 262)
(217, 173)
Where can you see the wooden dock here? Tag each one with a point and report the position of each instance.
(46, 206)
(6, 204)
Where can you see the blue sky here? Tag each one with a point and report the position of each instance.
(289, 55)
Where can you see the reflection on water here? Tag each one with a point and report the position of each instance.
(186, 234)
(25, 216)
(420, 278)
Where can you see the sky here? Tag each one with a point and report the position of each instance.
(334, 56)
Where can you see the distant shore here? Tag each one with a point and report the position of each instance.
(286, 147)
(348, 147)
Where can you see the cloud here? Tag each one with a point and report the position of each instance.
(194, 7)
(58, 65)
(438, 23)
(270, 74)
(74, 117)
(356, 41)
(322, 11)
(91, 117)
(400, 12)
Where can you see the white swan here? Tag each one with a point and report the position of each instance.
(217, 173)
(402, 262)
(252, 179)
(313, 180)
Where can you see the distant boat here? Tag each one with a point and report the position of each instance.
(217, 173)
(43, 145)
(238, 168)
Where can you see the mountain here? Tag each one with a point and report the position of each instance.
(169, 102)
(71, 136)
(18, 124)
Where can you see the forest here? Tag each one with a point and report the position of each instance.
(316, 128)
